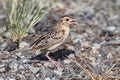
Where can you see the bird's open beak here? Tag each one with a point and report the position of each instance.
(74, 22)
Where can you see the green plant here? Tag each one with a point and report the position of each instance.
(22, 15)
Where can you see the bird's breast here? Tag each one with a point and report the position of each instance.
(65, 33)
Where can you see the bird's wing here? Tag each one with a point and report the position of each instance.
(47, 40)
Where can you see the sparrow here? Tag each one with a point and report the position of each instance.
(54, 37)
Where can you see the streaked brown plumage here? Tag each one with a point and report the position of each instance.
(54, 37)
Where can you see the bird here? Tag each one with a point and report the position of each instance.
(54, 37)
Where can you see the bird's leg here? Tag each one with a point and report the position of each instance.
(53, 62)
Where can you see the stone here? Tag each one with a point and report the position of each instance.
(32, 30)
(7, 35)
(59, 71)
(97, 46)
(3, 46)
(89, 11)
(2, 69)
(21, 67)
(14, 66)
(34, 69)
(1, 78)
(23, 44)
(67, 61)
(2, 29)
(70, 47)
(111, 28)
(109, 56)
(86, 44)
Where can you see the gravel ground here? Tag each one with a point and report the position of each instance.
(92, 51)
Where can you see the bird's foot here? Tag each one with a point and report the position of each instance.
(57, 64)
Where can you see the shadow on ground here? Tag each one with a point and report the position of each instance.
(60, 54)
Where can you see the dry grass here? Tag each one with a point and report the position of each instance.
(104, 76)
(22, 15)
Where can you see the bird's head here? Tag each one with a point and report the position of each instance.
(67, 20)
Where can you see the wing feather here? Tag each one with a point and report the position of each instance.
(47, 40)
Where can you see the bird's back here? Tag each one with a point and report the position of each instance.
(51, 39)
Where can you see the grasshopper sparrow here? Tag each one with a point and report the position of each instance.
(54, 37)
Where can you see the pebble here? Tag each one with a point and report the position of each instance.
(71, 47)
(21, 67)
(109, 56)
(34, 69)
(49, 74)
(67, 61)
(71, 56)
(32, 30)
(111, 28)
(47, 78)
(1, 78)
(1, 39)
(86, 44)
(7, 35)
(46, 72)
(2, 29)
(3, 46)
(2, 69)
(59, 71)
(49, 64)
(43, 70)
(14, 66)
(23, 44)
(89, 11)
(38, 52)
(97, 46)
(118, 49)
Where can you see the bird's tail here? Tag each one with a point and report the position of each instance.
(20, 50)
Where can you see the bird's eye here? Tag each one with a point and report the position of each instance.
(67, 19)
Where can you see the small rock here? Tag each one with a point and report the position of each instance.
(11, 46)
(43, 70)
(4, 56)
(34, 69)
(21, 67)
(23, 44)
(71, 56)
(47, 78)
(89, 11)
(97, 46)
(112, 18)
(95, 50)
(2, 29)
(70, 47)
(1, 39)
(118, 49)
(49, 64)
(75, 41)
(32, 30)
(94, 63)
(1, 78)
(49, 74)
(109, 56)
(67, 61)
(111, 28)
(82, 73)
(59, 71)
(86, 45)
(3, 46)
(2, 69)
(14, 66)
(38, 52)
(7, 35)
